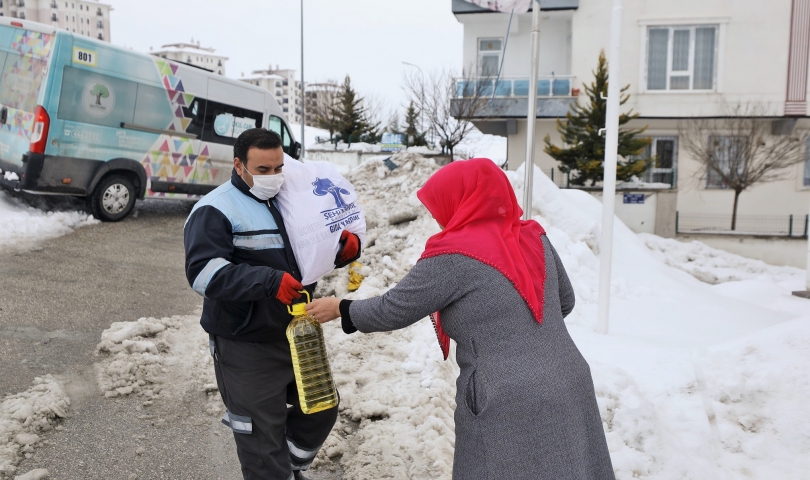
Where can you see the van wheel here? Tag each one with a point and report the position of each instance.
(113, 198)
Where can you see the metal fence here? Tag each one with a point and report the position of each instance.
(777, 225)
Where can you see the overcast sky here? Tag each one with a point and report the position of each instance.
(367, 39)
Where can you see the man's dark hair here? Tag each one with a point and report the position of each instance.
(255, 138)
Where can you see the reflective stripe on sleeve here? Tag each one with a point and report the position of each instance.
(258, 242)
(238, 423)
(204, 278)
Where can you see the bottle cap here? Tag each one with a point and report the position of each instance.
(299, 308)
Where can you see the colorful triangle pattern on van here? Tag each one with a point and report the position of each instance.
(173, 158)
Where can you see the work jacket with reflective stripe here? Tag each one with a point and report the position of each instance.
(237, 250)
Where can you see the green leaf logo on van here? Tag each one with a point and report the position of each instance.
(98, 99)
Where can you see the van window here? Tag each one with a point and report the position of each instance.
(277, 125)
(150, 107)
(223, 123)
(196, 112)
(21, 77)
(91, 97)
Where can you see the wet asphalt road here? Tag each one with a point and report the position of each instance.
(54, 303)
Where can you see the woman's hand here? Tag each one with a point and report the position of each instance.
(324, 309)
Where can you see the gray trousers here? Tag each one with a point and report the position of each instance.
(256, 382)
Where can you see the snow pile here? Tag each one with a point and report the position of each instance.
(24, 416)
(156, 359)
(715, 266)
(21, 226)
(760, 387)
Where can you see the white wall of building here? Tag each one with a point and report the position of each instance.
(555, 42)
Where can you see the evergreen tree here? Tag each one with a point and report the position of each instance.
(411, 127)
(584, 152)
(353, 122)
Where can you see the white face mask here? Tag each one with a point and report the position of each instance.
(266, 187)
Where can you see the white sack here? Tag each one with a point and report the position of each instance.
(317, 204)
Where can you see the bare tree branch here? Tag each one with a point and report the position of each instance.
(740, 149)
(449, 104)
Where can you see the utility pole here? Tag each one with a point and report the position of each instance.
(303, 88)
(806, 292)
(609, 185)
(531, 117)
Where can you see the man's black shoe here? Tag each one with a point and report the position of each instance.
(298, 475)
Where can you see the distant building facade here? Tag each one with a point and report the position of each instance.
(82, 17)
(319, 97)
(193, 53)
(282, 84)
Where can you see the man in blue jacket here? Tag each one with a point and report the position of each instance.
(238, 257)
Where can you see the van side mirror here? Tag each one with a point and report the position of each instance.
(296, 151)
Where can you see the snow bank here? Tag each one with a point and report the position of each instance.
(715, 266)
(156, 359)
(23, 418)
(22, 226)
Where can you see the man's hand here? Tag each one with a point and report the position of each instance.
(349, 247)
(324, 309)
(289, 289)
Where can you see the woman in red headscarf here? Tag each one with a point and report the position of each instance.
(526, 407)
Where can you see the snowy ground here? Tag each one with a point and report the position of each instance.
(23, 227)
(705, 372)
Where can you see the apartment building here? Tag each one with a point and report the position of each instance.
(282, 83)
(89, 18)
(194, 54)
(319, 97)
(682, 60)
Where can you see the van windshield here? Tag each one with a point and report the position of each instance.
(24, 68)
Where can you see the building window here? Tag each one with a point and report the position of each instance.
(681, 58)
(21, 3)
(665, 167)
(54, 18)
(22, 15)
(489, 56)
(729, 153)
(101, 37)
(99, 24)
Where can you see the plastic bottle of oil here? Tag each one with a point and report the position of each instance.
(316, 390)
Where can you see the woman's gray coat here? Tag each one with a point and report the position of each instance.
(526, 408)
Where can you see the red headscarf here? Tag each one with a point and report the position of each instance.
(475, 203)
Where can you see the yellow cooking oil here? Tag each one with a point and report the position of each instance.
(316, 389)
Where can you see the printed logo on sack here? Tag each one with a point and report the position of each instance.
(325, 186)
(344, 213)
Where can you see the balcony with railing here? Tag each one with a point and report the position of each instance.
(509, 97)
(547, 86)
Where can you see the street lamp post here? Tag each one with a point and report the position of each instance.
(303, 88)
